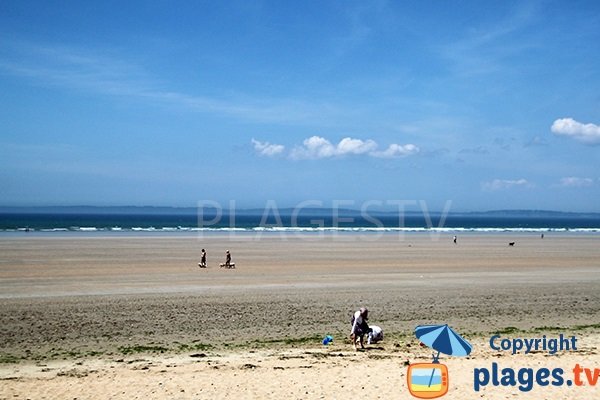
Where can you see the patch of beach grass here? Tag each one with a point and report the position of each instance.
(194, 347)
(538, 329)
(509, 330)
(136, 349)
(584, 327)
(395, 341)
(291, 342)
(6, 358)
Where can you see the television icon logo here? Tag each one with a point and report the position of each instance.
(427, 380)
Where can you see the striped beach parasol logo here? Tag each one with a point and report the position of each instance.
(443, 339)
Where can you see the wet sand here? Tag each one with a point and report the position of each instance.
(97, 303)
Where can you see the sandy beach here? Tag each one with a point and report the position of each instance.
(96, 317)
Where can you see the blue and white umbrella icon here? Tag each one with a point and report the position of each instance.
(443, 339)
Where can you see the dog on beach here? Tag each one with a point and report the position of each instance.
(511, 243)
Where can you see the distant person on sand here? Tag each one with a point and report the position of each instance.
(454, 239)
(203, 259)
(360, 328)
(228, 263)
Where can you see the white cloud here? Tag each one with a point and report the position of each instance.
(504, 184)
(573, 181)
(397, 150)
(314, 147)
(317, 147)
(585, 133)
(355, 146)
(267, 149)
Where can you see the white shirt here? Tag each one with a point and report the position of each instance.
(358, 319)
(376, 335)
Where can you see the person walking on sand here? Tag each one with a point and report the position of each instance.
(454, 239)
(202, 263)
(227, 263)
(359, 327)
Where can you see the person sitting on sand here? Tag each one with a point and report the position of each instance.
(202, 263)
(359, 327)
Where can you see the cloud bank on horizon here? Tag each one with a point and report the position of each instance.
(504, 184)
(574, 181)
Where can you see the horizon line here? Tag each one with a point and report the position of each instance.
(9, 208)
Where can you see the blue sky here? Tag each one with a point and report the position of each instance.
(489, 105)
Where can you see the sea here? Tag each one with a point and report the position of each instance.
(170, 221)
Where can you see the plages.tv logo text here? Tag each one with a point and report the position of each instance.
(525, 379)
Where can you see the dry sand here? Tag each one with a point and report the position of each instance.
(121, 317)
